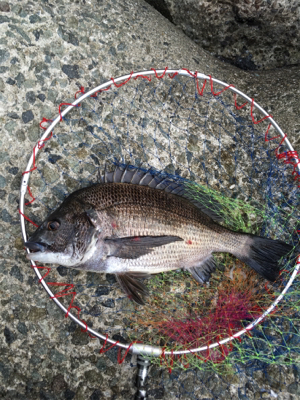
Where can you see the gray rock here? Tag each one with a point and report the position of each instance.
(5, 370)
(69, 394)
(251, 35)
(4, 18)
(13, 115)
(37, 33)
(9, 335)
(10, 81)
(13, 170)
(4, 6)
(68, 36)
(94, 377)
(27, 116)
(6, 217)
(79, 338)
(22, 328)
(4, 156)
(41, 96)
(110, 303)
(102, 291)
(101, 364)
(21, 32)
(56, 356)
(96, 395)
(72, 71)
(20, 79)
(30, 97)
(34, 18)
(4, 56)
(16, 272)
(2, 181)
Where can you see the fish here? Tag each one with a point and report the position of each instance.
(135, 222)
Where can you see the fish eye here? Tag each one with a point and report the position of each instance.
(53, 225)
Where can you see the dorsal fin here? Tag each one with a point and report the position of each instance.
(196, 194)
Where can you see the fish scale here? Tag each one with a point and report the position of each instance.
(135, 229)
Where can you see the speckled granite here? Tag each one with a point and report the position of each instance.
(47, 51)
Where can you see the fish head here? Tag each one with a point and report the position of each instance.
(65, 237)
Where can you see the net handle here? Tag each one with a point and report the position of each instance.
(138, 348)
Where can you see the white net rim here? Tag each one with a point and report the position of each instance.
(138, 348)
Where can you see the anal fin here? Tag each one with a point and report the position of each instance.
(203, 270)
(133, 287)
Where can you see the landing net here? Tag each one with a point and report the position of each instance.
(210, 137)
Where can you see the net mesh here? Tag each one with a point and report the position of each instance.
(209, 144)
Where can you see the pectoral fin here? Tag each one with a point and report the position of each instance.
(92, 217)
(202, 271)
(133, 287)
(135, 247)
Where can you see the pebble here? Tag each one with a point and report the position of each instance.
(2, 181)
(71, 71)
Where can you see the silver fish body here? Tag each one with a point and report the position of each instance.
(133, 226)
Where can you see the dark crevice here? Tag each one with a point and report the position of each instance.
(161, 7)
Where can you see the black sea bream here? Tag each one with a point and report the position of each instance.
(131, 225)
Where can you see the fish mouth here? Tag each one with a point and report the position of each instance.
(36, 246)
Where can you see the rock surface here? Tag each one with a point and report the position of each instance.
(48, 50)
(251, 34)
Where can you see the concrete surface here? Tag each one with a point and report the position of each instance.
(47, 51)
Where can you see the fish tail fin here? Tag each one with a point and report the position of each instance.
(264, 255)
